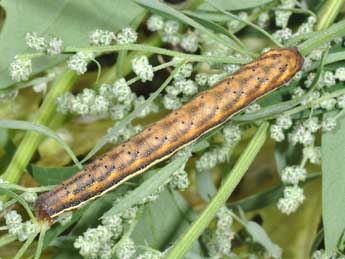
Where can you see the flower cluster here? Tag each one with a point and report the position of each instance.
(218, 241)
(170, 33)
(293, 198)
(282, 16)
(151, 255)
(235, 24)
(21, 69)
(78, 62)
(220, 154)
(101, 37)
(126, 249)
(115, 100)
(16, 226)
(285, 34)
(182, 88)
(98, 242)
(142, 68)
(179, 180)
(51, 46)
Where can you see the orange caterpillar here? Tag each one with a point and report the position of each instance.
(181, 127)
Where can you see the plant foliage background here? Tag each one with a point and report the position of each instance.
(76, 77)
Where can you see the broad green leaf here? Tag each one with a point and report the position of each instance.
(70, 20)
(161, 222)
(232, 5)
(51, 175)
(333, 182)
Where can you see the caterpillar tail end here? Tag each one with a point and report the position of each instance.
(41, 212)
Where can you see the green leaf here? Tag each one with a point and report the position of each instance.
(268, 111)
(214, 26)
(260, 236)
(25, 125)
(259, 200)
(232, 5)
(70, 20)
(162, 221)
(51, 175)
(333, 182)
(205, 185)
(321, 37)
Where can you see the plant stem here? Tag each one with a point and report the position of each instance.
(328, 13)
(121, 58)
(39, 248)
(31, 140)
(232, 180)
(25, 246)
(146, 49)
(6, 239)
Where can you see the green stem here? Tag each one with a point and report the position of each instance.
(39, 248)
(152, 49)
(31, 140)
(157, 50)
(121, 59)
(314, 103)
(10, 186)
(6, 239)
(25, 247)
(232, 180)
(328, 13)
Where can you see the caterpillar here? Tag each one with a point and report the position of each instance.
(204, 112)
